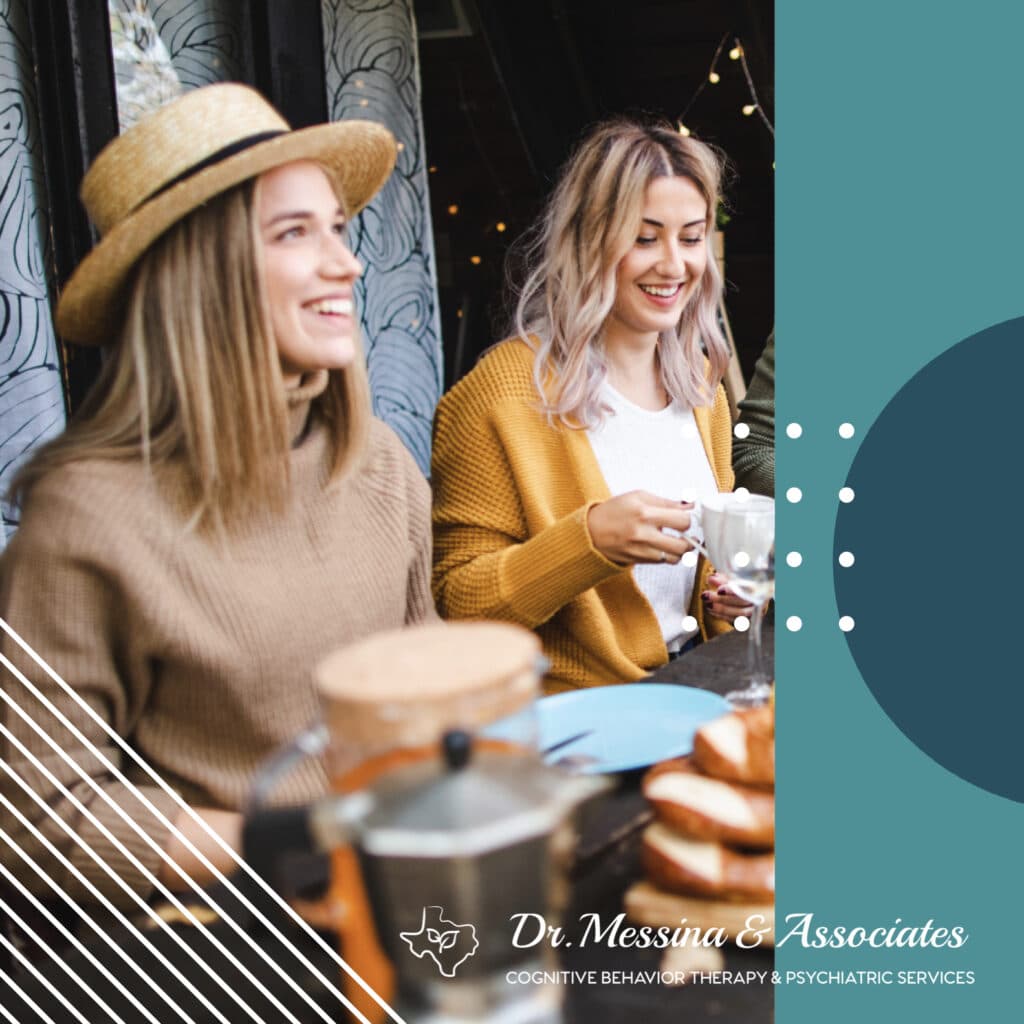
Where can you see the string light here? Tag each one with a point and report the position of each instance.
(432, 168)
(714, 77)
(475, 260)
(753, 92)
(453, 209)
(500, 226)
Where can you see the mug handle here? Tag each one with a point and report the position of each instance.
(269, 832)
(311, 742)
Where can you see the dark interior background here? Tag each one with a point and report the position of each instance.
(509, 86)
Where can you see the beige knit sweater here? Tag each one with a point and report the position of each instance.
(199, 651)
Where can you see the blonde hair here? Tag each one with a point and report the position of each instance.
(194, 382)
(588, 226)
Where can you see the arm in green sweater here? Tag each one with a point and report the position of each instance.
(754, 455)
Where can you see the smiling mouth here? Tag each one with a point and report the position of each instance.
(332, 307)
(666, 292)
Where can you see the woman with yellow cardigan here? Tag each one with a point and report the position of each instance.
(566, 462)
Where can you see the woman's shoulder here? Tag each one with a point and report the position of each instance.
(503, 374)
(87, 503)
(95, 484)
(389, 458)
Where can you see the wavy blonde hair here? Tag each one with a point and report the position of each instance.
(589, 224)
(193, 383)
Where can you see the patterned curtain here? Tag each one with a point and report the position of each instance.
(372, 72)
(31, 391)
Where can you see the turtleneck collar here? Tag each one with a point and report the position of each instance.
(299, 398)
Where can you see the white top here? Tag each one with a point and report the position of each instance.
(660, 452)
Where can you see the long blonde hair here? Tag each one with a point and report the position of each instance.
(588, 226)
(194, 381)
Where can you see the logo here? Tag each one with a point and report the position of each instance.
(446, 943)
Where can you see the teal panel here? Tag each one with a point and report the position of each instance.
(900, 214)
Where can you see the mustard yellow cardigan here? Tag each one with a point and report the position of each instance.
(511, 496)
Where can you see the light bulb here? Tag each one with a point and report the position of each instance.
(749, 109)
(714, 78)
(683, 130)
(453, 209)
(735, 53)
(475, 260)
(500, 226)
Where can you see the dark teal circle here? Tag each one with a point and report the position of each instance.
(937, 588)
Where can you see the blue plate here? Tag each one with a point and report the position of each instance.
(632, 726)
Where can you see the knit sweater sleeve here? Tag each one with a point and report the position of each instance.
(490, 560)
(59, 594)
(419, 599)
(754, 457)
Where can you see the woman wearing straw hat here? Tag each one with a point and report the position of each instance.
(223, 511)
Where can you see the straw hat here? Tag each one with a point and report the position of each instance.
(185, 153)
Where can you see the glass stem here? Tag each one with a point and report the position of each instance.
(755, 657)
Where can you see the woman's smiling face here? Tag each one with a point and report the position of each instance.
(308, 270)
(662, 270)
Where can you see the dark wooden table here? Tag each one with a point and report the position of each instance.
(603, 872)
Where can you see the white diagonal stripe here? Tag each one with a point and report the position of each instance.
(31, 1002)
(143, 764)
(125, 852)
(106, 902)
(150, 877)
(59, 961)
(48, 985)
(70, 937)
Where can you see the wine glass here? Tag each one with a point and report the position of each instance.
(740, 538)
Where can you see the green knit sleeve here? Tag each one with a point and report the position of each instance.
(754, 455)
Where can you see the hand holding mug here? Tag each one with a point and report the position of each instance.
(631, 528)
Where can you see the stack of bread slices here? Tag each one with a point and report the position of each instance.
(709, 855)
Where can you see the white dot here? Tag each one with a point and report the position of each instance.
(689, 559)
(846, 495)
(794, 623)
(794, 558)
(741, 624)
(741, 560)
(794, 430)
(846, 559)
(690, 624)
(794, 494)
(741, 430)
(846, 623)
(741, 494)
(846, 430)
